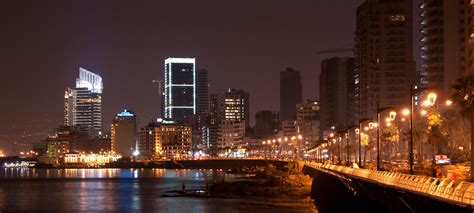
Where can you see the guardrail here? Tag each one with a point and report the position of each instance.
(450, 190)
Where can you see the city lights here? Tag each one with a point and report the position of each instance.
(449, 102)
(405, 112)
(370, 121)
(423, 112)
(432, 98)
(392, 114)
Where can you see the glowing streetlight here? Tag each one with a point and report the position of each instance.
(279, 139)
(392, 114)
(300, 137)
(286, 139)
(331, 135)
(357, 131)
(449, 102)
(371, 125)
(263, 142)
(405, 112)
(423, 112)
(366, 128)
(425, 103)
(432, 98)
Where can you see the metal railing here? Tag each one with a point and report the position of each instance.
(460, 192)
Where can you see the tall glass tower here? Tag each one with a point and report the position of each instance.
(180, 88)
(83, 104)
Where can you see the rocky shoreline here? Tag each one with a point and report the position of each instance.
(270, 187)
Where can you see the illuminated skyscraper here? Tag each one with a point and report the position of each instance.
(83, 104)
(236, 106)
(180, 88)
(123, 133)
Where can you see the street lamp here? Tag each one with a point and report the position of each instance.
(392, 115)
(432, 98)
(359, 132)
(423, 112)
(405, 112)
(449, 102)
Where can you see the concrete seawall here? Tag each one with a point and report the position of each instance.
(219, 164)
(337, 192)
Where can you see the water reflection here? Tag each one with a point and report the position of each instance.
(202, 174)
(92, 190)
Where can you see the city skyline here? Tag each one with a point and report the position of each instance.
(129, 61)
(246, 106)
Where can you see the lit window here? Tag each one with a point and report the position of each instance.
(397, 17)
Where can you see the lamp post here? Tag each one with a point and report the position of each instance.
(348, 136)
(359, 132)
(414, 90)
(411, 157)
(392, 114)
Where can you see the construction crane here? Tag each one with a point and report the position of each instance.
(338, 50)
(159, 86)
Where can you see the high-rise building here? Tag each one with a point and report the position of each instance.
(236, 106)
(290, 93)
(384, 55)
(180, 88)
(202, 92)
(211, 128)
(336, 93)
(123, 133)
(267, 123)
(446, 42)
(83, 104)
(165, 139)
(308, 121)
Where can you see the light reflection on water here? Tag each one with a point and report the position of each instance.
(112, 190)
(201, 174)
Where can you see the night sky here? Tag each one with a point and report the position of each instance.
(244, 44)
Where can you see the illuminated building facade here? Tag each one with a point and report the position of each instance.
(385, 69)
(236, 106)
(290, 93)
(165, 140)
(83, 104)
(91, 159)
(231, 134)
(123, 132)
(180, 89)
